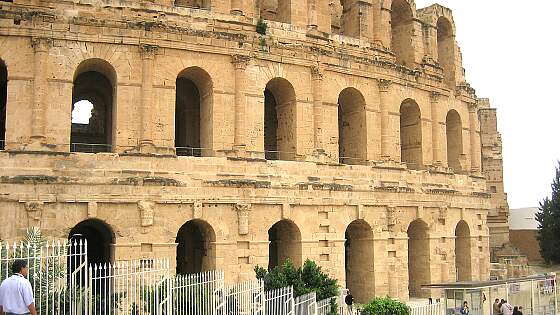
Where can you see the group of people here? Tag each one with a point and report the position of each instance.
(502, 307)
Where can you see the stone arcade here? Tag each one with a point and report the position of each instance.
(347, 135)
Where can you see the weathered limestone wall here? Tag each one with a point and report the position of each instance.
(145, 193)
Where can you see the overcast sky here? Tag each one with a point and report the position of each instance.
(510, 53)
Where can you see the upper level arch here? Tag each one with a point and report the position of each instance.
(411, 134)
(352, 130)
(446, 49)
(454, 135)
(280, 118)
(93, 106)
(402, 28)
(275, 10)
(194, 98)
(196, 4)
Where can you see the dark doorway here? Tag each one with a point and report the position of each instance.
(358, 261)
(195, 248)
(99, 237)
(284, 243)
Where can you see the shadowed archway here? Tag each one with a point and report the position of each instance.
(418, 258)
(359, 261)
(196, 248)
(463, 251)
(285, 243)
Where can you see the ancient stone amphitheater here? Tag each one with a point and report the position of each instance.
(226, 134)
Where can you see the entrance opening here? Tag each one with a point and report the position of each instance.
(463, 252)
(92, 107)
(275, 10)
(99, 237)
(351, 127)
(350, 18)
(193, 113)
(401, 31)
(195, 4)
(418, 258)
(285, 243)
(359, 260)
(3, 102)
(196, 248)
(454, 132)
(446, 50)
(279, 120)
(411, 134)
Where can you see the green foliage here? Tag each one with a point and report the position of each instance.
(261, 27)
(333, 307)
(549, 223)
(385, 306)
(309, 278)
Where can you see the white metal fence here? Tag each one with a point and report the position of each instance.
(197, 294)
(57, 272)
(279, 301)
(427, 309)
(306, 304)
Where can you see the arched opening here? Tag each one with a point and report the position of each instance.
(193, 113)
(336, 10)
(359, 260)
(275, 10)
(99, 237)
(463, 251)
(351, 127)
(401, 32)
(3, 102)
(94, 88)
(284, 243)
(418, 258)
(195, 4)
(279, 120)
(350, 18)
(411, 134)
(196, 248)
(446, 50)
(454, 131)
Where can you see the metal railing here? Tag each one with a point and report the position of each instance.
(90, 147)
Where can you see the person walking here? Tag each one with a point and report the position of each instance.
(496, 307)
(16, 294)
(506, 308)
(349, 301)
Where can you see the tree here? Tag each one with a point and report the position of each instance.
(549, 223)
(306, 279)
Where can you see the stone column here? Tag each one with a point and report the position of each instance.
(240, 62)
(382, 23)
(438, 159)
(41, 47)
(365, 18)
(386, 146)
(318, 121)
(475, 139)
(147, 53)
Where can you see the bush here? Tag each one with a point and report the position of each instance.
(261, 27)
(385, 306)
(309, 278)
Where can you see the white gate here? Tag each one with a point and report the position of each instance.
(279, 301)
(306, 304)
(139, 287)
(246, 298)
(198, 294)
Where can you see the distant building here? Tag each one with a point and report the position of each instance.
(523, 228)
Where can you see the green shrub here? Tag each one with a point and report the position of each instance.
(307, 279)
(385, 306)
(261, 27)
